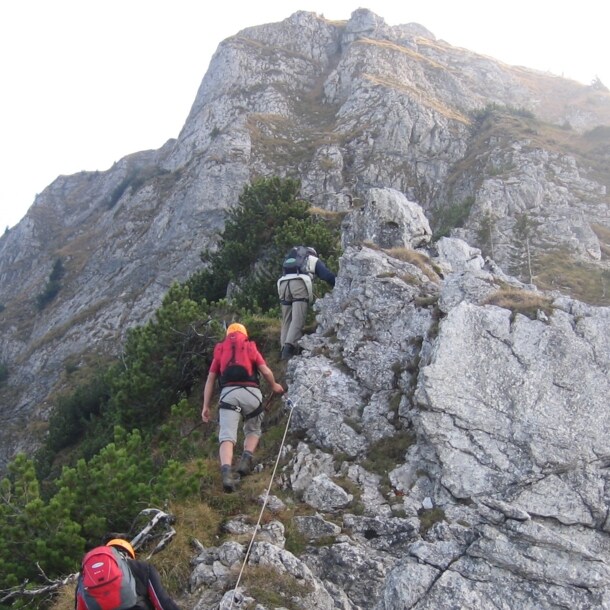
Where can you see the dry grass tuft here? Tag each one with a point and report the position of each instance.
(329, 215)
(521, 301)
(560, 270)
(194, 520)
(275, 590)
(64, 599)
(420, 260)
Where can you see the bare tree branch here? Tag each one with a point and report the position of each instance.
(21, 590)
(159, 517)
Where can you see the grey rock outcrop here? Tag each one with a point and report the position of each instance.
(316, 527)
(216, 567)
(325, 495)
(495, 424)
(389, 220)
(504, 488)
(366, 115)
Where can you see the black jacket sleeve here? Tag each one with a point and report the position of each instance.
(324, 273)
(148, 583)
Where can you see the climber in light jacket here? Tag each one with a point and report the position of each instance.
(295, 289)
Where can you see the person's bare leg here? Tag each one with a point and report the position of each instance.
(251, 442)
(226, 453)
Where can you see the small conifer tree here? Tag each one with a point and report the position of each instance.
(269, 219)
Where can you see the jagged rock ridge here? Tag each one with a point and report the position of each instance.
(499, 499)
(346, 107)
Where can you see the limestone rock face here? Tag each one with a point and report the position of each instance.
(501, 490)
(388, 219)
(455, 443)
(495, 425)
(492, 418)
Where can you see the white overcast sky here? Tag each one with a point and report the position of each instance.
(86, 82)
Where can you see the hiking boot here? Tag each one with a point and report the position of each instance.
(288, 351)
(229, 482)
(245, 464)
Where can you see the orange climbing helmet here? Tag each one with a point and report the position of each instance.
(122, 544)
(237, 328)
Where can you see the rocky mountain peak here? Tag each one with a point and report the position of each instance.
(395, 130)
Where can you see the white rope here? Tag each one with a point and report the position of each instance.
(291, 405)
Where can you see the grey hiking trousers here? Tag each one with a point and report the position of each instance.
(295, 302)
(249, 400)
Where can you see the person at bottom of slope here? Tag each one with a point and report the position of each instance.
(295, 290)
(136, 584)
(236, 364)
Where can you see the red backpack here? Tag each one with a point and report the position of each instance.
(106, 582)
(236, 355)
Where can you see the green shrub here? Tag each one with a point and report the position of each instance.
(161, 362)
(269, 219)
(122, 479)
(34, 532)
(53, 285)
(452, 216)
(74, 413)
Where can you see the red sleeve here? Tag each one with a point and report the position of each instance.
(215, 366)
(257, 357)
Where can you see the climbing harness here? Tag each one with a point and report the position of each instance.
(261, 407)
(289, 405)
(238, 409)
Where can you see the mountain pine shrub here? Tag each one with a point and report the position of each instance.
(268, 220)
(162, 361)
(53, 285)
(131, 436)
(34, 531)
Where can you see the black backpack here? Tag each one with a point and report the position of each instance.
(296, 259)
